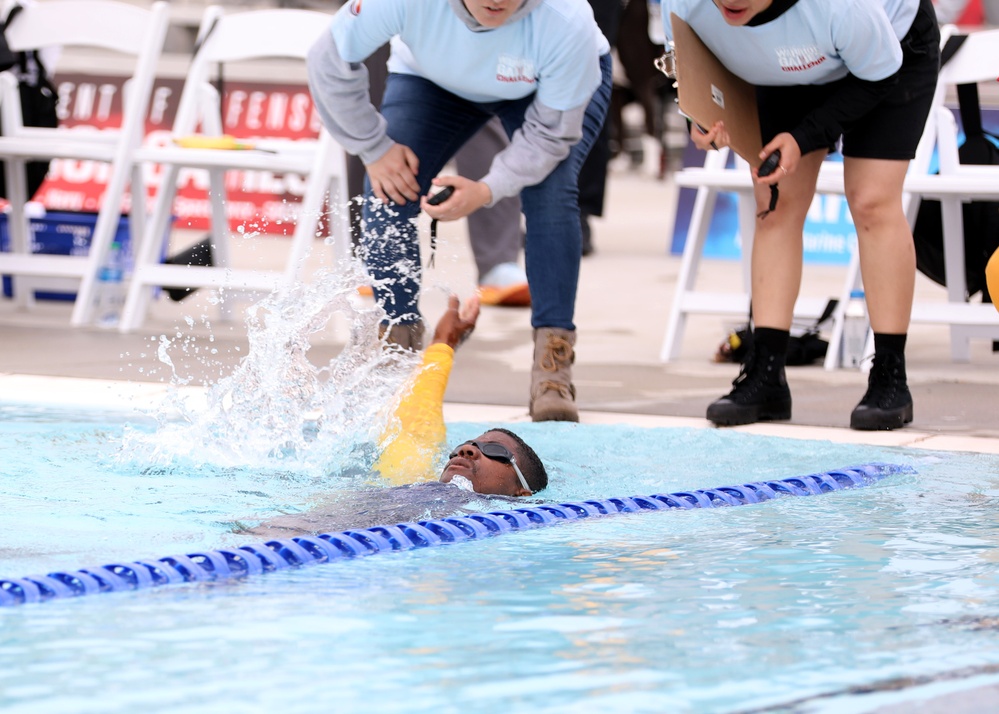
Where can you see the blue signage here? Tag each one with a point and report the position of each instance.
(829, 235)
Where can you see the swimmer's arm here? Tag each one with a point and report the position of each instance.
(414, 439)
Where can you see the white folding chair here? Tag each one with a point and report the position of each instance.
(228, 38)
(831, 181)
(976, 61)
(711, 179)
(137, 34)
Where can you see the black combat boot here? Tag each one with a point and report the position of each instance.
(888, 403)
(760, 392)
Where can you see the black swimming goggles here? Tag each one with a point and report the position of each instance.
(496, 452)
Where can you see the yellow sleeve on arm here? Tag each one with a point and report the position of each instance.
(413, 440)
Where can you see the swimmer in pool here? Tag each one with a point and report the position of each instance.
(497, 463)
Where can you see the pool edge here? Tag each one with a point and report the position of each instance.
(119, 395)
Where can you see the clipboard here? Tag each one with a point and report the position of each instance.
(708, 92)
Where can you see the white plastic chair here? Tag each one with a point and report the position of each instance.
(137, 34)
(977, 61)
(227, 38)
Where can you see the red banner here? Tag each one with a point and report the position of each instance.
(259, 201)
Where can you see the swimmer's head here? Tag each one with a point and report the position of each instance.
(497, 462)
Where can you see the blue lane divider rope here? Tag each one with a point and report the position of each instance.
(299, 551)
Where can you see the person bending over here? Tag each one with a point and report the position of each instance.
(543, 68)
(863, 70)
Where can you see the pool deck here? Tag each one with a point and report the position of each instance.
(625, 290)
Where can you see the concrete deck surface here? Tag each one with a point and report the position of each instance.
(625, 291)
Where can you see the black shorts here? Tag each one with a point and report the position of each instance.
(890, 130)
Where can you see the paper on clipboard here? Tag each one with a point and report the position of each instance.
(708, 92)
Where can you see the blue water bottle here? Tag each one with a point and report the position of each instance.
(855, 328)
(111, 288)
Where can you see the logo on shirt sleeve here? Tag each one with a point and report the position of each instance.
(515, 69)
(355, 8)
(799, 59)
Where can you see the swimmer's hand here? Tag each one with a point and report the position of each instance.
(457, 322)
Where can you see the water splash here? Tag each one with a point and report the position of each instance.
(278, 410)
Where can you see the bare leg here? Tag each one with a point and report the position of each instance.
(777, 245)
(887, 252)
(888, 264)
(760, 392)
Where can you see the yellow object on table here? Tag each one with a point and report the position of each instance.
(225, 142)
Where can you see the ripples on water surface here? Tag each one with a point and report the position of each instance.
(722, 610)
(701, 611)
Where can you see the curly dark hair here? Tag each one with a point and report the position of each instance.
(529, 462)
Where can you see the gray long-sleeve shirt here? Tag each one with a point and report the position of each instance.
(548, 48)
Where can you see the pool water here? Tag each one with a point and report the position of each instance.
(796, 604)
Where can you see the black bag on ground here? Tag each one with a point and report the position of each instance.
(198, 254)
(38, 104)
(806, 348)
(981, 218)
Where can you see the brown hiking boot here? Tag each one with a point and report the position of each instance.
(553, 398)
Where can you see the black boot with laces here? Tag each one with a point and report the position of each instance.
(888, 403)
(760, 392)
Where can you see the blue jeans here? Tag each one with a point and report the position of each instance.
(435, 123)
